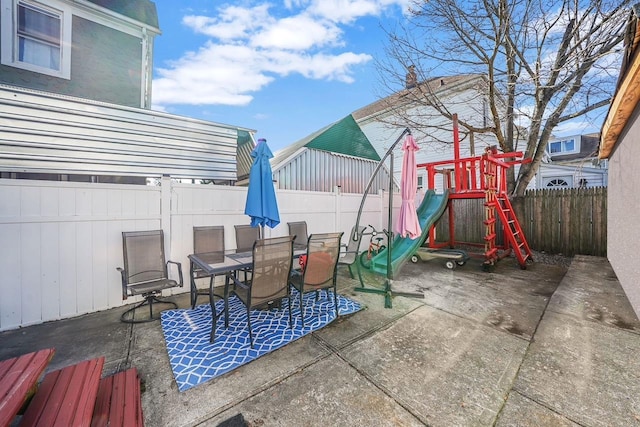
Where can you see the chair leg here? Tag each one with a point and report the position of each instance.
(194, 292)
(290, 317)
(351, 272)
(214, 314)
(335, 299)
(149, 300)
(301, 307)
(249, 323)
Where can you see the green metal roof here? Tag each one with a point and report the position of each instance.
(243, 154)
(344, 137)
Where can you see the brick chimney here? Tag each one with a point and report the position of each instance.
(411, 78)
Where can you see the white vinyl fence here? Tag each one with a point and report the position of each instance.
(61, 242)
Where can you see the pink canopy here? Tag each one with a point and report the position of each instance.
(408, 224)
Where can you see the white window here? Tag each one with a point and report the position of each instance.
(558, 182)
(563, 146)
(36, 37)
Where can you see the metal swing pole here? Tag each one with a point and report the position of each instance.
(387, 289)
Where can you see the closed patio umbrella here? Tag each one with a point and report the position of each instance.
(408, 224)
(261, 204)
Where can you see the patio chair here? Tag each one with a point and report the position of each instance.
(299, 230)
(349, 253)
(320, 267)
(269, 284)
(145, 272)
(246, 236)
(205, 239)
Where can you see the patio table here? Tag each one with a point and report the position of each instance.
(225, 263)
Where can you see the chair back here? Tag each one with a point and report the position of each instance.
(322, 259)
(144, 258)
(246, 236)
(353, 246)
(272, 261)
(299, 229)
(208, 239)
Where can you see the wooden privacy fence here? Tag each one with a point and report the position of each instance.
(558, 221)
(568, 221)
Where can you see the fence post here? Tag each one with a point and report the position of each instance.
(165, 212)
(338, 195)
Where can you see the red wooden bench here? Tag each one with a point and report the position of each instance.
(66, 397)
(18, 381)
(118, 402)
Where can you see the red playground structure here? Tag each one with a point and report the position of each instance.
(481, 177)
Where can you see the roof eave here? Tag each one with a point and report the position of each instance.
(624, 103)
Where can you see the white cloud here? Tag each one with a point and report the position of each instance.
(216, 74)
(347, 11)
(232, 23)
(298, 33)
(249, 47)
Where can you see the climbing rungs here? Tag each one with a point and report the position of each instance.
(490, 237)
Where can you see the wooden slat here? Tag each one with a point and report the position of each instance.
(66, 397)
(118, 402)
(18, 378)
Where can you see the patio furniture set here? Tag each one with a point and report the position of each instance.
(260, 272)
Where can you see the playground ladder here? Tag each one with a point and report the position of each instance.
(490, 248)
(512, 230)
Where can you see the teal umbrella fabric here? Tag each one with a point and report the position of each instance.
(262, 205)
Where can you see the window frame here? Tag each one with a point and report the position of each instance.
(562, 152)
(568, 179)
(9, 37)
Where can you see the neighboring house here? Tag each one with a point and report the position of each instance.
(572, 162)
(339, 155)
(96, 49)
(75, 93)
(620, 144)
(384, 120)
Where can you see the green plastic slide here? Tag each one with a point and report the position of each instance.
(430, 210)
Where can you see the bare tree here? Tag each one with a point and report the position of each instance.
(543, 62)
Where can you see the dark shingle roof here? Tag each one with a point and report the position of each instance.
(140, 10)
(588, 148)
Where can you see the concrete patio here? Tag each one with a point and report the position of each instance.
(546, 346)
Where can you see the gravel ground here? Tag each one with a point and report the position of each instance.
(538, 256)
(545, 258)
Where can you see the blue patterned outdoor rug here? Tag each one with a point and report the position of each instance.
(195, 360)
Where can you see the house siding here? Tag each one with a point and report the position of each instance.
(435, 145)
(317, 170)
(106, 65)
(623, 208)
(593, 177)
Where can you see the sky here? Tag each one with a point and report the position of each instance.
(285, 69)
(282, 68)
